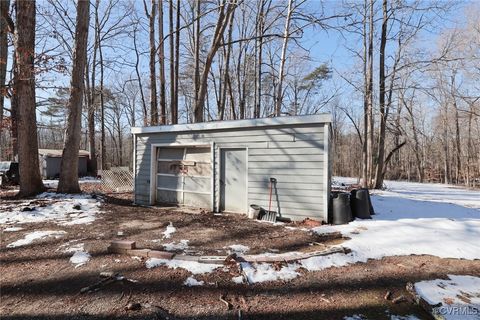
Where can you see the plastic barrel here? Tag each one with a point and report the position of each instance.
(372, 212)
(341, 212)
(360, 204)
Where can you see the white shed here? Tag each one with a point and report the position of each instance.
(228, 165)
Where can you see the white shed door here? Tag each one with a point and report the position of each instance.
(233, 180)
(184, 176)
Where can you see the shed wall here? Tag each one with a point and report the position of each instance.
(50, 166)
(293, 154)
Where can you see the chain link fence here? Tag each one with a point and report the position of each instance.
(117, 179)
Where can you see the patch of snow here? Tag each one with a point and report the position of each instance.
(355, 317)
(238, 248)
(392, 317)
(137, 258)
(80, 258)
(238, 280)
(411, 218)
(448, 294)
(331, 260)
(407, 317)
(167, 234)
(117, 260)
(264, 272)
(192, 282)
(61, 210)
(12, 229)
(74, 248)
(30, 237)
(172, 246)
(54, 183)
(193, 266)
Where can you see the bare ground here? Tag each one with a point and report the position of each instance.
(38, 281)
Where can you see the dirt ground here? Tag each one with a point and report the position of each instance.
(38, 281)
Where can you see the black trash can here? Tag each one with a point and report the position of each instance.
(372, 212)
(340, 204)
(360, 204)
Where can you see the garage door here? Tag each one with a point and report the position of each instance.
(184, 176)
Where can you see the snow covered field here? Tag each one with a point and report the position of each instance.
(411, 218)
(63, 209)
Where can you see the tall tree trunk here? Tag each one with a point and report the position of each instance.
(30, 179)
(259, 47)
(161, 61)
(173, 112)
(383, 115)
(197, 33)
(223, 20)
(226, 72)
(4, 6)
(139, 78)
(102, 109)
(365, 100)
(69, 166)
(283, 58)
(458, 146)
(370, 124)
(92, 93)
(416, 146)
(177, 60)
(153, 76)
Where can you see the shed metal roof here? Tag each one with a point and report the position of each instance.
(57, 153)
(235, 124)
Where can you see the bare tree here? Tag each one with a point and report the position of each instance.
(225, 14)
(173, 109)
(281, 71)
(161, 61)
(4, 6)
(69, 166)
(24, 82)
(153, 77)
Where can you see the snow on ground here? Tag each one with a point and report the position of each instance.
(392, 317)
(54, 183)
(80, 255)
(80, 258)
(36, 235)
(167, 234)
(12, 229)
(64, 209)
(411, 218)
(263, 272)
(238, 280)
(174, 246)
(193, 266)
(192, 282)
(237, 248)
(459, 297)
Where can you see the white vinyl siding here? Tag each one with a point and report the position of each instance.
(293, 154)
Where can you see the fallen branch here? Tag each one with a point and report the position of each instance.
(228, 304)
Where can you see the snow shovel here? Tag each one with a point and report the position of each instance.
(270, 215)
